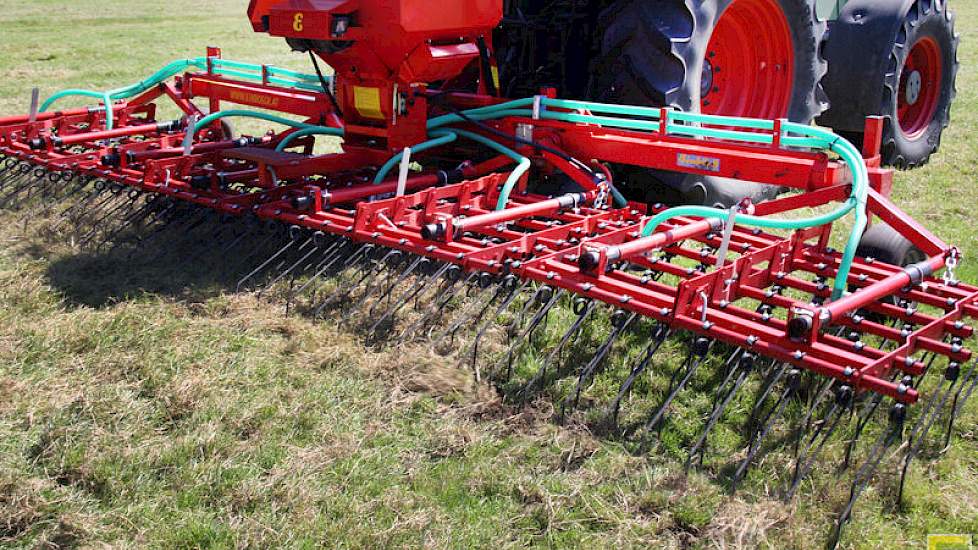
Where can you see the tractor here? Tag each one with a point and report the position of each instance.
(833, 62)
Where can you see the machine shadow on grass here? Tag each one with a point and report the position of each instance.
(190, 265)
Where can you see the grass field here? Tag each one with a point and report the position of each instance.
(151, 406)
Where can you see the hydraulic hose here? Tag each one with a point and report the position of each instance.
(857, 202)
(248, 71)
(244, 113)
(805, 136)
(312, 131)
(522, 167)
(441, 138)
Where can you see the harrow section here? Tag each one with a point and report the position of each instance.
(466, 240)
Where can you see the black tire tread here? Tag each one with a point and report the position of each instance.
(649, 49)
(892, 153)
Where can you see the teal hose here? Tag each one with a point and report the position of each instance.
(523, 164)
(244, 113)
(476, 113)
(275, 75)
(313, 131)
(857, 203)
(442, 137)
(805, 136)
(743, 219)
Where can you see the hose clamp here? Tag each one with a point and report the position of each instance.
(951, 264)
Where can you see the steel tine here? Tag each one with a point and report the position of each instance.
(324, 252)
(919, 432)
(659, 337)
(697, 354)
(171, 220)
(23, 175)
(406, 297)
(476, 308)
(14, 182)
(295, 265)
(959, 402)
(103, 215)
(535, 322)
(791, 386)
(250, 230)
(584, 309)
(25, 183)
(620, 325)
(146, 225)
(862, 421)
(340, 250)
(745, 364)
(731, 367)
(67, 215)
(109, 193)
(378, 278)
(213, 246)
(79, 184)
(865, 473)
(49, 191)
(359, 263)
(333, 254)
(421, 283)
(543, 298)
(453, 285)
(95, 225)
(10, 171)
(272, 259)
(387, 294)
(182, 227)
(825, 429)
(135, 216)
(771, 380)
(42, 186)
(366, 267)
(516, 289)
(325, 246)
(273, 237)
(7, 165)
(813, 402)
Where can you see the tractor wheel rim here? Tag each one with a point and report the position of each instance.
(920, 87)
(750, 62)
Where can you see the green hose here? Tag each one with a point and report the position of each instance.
(805, 136)
(273, 75)
(441, 137)
(856, 203)
(244, 113)
(476, 113)
(523, 164)
(312, 131)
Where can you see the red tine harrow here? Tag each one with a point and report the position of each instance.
(548, 250)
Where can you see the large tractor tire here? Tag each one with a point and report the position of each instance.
(754, 58)
(896, 59)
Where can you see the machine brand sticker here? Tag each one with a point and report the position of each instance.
(257, 100)
(698, 162)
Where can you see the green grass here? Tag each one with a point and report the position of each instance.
(147, 405)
